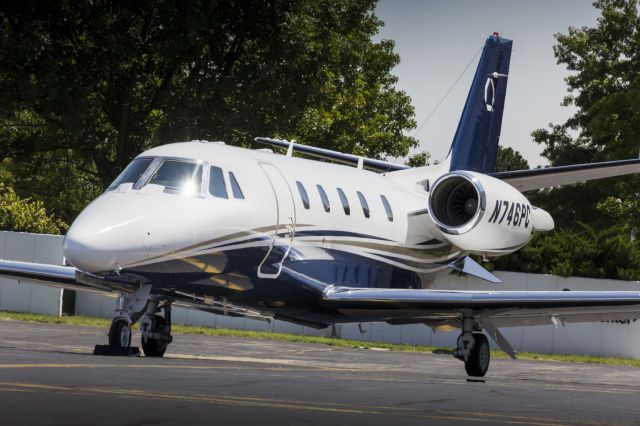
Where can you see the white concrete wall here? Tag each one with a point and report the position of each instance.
(20, 297)
(605, 339)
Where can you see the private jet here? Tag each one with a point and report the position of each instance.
(322, 237)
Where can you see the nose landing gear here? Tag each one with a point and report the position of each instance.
(155, 328)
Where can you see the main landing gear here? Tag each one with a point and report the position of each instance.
(154, 328)
(473, 348)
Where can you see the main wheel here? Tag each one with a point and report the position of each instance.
(120, 333)
(155, 347)
(478, 362)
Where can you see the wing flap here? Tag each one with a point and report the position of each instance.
(528, 180)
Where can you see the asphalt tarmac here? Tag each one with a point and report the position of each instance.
(49, 377)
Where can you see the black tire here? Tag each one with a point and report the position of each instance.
(154, 347)
(120, 333)
(478, 362)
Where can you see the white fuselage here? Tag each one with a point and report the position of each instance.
(127, 227)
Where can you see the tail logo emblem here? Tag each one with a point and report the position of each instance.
(489, 94)
(490, 90)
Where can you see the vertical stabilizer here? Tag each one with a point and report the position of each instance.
(475, 144)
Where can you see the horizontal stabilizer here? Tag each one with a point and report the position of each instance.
(529, 180)
(339, 157)
(471, 267)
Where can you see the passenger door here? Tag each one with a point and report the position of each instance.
(285, 222)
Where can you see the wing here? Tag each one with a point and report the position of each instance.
(528, 180)
(49, 275)
(504, 308)
(490, 309)
(38, 273)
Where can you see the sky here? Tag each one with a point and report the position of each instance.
(436, 40)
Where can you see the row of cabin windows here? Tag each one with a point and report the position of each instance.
(343, 199)
(218, 188)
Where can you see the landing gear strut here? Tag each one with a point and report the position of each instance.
(155, 328)
(473, 348)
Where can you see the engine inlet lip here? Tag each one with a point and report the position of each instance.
(482, 203)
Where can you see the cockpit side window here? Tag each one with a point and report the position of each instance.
(217, 187)
(178, 177)
(132, 173)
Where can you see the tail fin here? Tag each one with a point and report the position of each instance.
(475, 144)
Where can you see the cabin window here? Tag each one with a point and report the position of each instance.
(324, 198)
(303, 194)
(345, 202)
(217, 187)
(178, 177)
(235, 187)
(364, 204)
(387, 207)
(132, 173)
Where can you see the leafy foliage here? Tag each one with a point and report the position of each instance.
(508, 159)
(24, 215)
(87, 86)
(596, 222)
(420, 159)
(607, 253)
(604, 86)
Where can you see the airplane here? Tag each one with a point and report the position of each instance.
(261, 234)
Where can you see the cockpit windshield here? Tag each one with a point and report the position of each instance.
(175, 175)
(132, 173)
(178, 177)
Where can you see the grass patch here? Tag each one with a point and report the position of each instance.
(282, 337)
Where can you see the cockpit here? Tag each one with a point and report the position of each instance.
(176, 176)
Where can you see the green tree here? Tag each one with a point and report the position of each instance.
(420, 159)
(508, 159)
(587, 252)
(604, 86)
(24, 215)
(87, 86)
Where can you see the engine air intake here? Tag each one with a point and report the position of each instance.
(455, 201)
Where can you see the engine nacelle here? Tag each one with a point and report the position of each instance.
(484, 215)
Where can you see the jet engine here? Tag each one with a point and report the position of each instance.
(482, 214)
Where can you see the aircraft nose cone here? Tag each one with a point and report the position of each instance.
(103, 238)
(83, 250)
